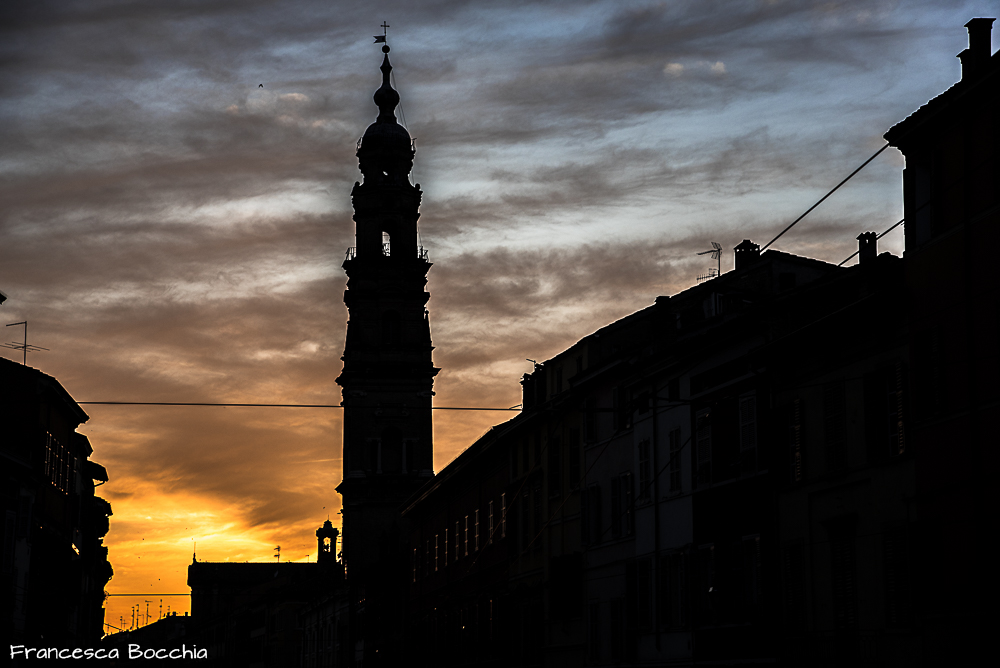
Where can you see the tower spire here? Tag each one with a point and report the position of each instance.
(386, 98)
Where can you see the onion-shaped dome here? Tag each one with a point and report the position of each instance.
(385, 149)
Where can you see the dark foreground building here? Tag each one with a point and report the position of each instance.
(55, 565)
(782, 465)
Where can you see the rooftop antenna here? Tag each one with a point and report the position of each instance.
(717, 256)
(25, 347)
(277, 553)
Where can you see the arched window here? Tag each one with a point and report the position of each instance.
(390, 328)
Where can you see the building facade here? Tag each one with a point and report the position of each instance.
(55, 565)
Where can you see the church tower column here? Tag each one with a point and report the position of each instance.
(388, 374)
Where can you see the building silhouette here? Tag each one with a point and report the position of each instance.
(55, 565)
(785, 464)
(388, 374)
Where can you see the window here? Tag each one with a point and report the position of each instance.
(793, 568)
(629, 503)
(574, 459)
(703, 462)
(503, 515)
(489, 538)
(446, 544)
(884, 413)
(617, 622)
(644, 470)
(476, 537)
(897, 445)
(644, 590)
(596, 514)
(621, 408)
(458, 536)
(436, 549)
(537, 499)
(897, 578)
(795, 440)
(590, 420)
(673, 579)
(748, 434)
(705, 599)
(616, 507)
(674, 437)
(843, 562)
(559, 379)
(751, 577)
(555, 470)
(594, 632)
(525, 460)
(835, 425)
(525, 518)
(58, 465)
(414, 564)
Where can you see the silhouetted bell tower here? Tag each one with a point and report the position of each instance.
(388, 374)
(326, 543)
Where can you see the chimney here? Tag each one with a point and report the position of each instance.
(975, 58)
(746, 254)
(867, 247)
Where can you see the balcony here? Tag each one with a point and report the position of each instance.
(352, 252)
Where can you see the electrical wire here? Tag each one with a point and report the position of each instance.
(192, 403)
(876, 238)
(874, 155)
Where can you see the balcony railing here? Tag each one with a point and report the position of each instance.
(352, 252)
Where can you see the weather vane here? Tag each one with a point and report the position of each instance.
(25, 347)
(380, 39)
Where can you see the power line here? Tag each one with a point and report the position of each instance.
(878, 237)
(150, 594)
(193, 403)
(874, 155)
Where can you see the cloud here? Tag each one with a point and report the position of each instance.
(174, 232)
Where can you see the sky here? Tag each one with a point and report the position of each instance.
(172, 231)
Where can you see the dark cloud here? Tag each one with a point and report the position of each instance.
(174, 232)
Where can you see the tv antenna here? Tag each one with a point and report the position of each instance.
(24, 347)
(717, 256)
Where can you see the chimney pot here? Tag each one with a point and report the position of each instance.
(746, 253)
(974, 58)
(867, 247)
